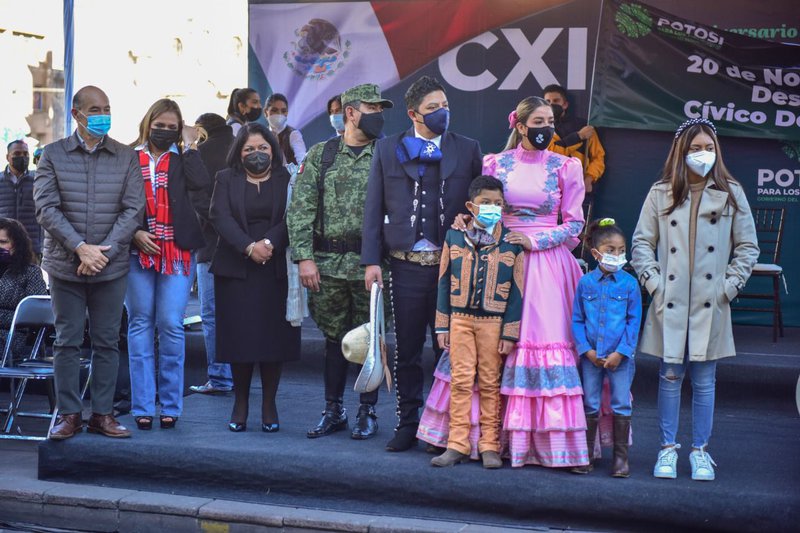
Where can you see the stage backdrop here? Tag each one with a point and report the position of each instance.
(489, 54)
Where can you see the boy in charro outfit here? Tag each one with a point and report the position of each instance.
(478, 314)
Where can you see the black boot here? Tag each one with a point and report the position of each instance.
(366, 423)
(405, 437)
(334, 418)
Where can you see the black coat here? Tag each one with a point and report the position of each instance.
(230, 221)
(390, 193)
(187, 188)
(214, 153)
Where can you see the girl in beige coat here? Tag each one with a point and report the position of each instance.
(693, 221)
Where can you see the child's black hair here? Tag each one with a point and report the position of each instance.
(484, 183)
(601, 229)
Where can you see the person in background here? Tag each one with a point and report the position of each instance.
(694, 248)
(20, 277)
(162, 263)
(335, 114)
(291, 140)
(250, 273)
(575, 138)
(86, 254)
(244, 107)
(214, 152)
(16, 192)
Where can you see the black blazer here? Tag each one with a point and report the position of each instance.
(214, 153)
(390, 192)
(230, 221)
(187, 187)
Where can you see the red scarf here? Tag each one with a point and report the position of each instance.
(171, 260)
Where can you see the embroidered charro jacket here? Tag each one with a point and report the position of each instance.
(482, 281)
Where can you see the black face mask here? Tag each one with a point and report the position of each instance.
(371, 124)
(540, 137)
(257, 163)
(558, 111)
(253, 114)
(164, 138)
(20, 163)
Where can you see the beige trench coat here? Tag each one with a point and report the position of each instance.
(697, 303)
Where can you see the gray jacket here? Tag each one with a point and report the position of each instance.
(94, 197)
(16, 201)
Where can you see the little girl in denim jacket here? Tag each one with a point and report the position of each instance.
(605, 323)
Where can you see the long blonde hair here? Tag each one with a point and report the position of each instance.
(676, 171)
(164, 105)
(520, 115)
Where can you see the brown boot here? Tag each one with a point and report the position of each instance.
(107, 425)
(449, 458)
(591, 433)
(491, 460)
(66, 426)
(622, 429)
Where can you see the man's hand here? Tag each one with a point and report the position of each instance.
(145, 241)
(309, 274)
(373, 274)
(591, 355)
(92, 259)
(262, 252)
(506, 346)
(586, 132)
(444, 340)
(613, 360)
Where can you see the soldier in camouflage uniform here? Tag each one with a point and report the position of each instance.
(325, 220)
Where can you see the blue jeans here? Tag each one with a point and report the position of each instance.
(156, 301)
(219, 374)
(703, 375)
(620, 381)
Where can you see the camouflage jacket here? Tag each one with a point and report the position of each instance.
(345, 195)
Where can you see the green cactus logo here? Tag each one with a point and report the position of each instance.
(633, 20)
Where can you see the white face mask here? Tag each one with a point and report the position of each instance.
(611, 262)
(701, 162)
(277, 122)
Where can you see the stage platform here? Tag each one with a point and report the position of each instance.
(757, 431)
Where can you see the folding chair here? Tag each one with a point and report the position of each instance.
(769, 227)
(36, 314)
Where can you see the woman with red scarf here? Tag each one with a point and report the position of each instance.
(176, 185)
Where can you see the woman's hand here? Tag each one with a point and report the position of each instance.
(516, 237)
(261, 253)
(190, 135)
(461, 221)
(145, 241)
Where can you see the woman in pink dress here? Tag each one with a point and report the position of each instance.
(544, 422)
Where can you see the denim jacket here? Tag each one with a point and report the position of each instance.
(481, 281)
(607, 313)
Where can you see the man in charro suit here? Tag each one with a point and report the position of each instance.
(418, 183)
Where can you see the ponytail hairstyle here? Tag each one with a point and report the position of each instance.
(601, 229)
(676, 172)
(520, 116)
(238, 96)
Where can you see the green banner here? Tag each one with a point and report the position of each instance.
(654, 70)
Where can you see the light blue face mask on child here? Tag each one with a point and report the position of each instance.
(489, 216)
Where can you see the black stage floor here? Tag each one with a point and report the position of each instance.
(755, 443)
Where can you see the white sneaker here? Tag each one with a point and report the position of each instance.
(702, 469)
(667, 463)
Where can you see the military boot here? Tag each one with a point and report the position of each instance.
(334, 418)
(366, 423)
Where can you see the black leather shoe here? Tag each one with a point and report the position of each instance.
(404, 439)
(237, 428)
(270, 428)
(334, 418)
(366, 423)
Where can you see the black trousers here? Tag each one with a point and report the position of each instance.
(413, 292)
(336, 370)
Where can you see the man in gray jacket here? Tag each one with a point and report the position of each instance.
(89, 199)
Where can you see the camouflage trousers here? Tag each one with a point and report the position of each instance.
(339, 306)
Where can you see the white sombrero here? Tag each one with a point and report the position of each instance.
(366, 345)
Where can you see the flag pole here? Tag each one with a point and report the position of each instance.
(594, 63)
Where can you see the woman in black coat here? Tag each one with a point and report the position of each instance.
(249, 266)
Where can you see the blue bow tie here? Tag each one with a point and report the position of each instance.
(424, 151)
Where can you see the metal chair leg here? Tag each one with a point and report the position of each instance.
(16, 399)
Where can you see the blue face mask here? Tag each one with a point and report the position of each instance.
(437, 121)
(98, 125)
(337, 121)
(488, 216)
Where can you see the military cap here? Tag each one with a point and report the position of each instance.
(369, 93)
